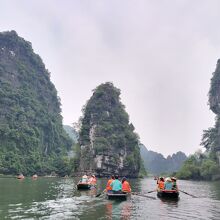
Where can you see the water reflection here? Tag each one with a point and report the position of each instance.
(118, 210)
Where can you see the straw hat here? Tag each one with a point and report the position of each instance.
(84, 176)
(168, 179)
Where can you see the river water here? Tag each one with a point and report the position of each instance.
(57, 198)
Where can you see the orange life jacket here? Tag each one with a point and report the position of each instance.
(108, 187)
(161, 184)
(126, 186)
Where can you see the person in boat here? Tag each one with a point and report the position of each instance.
(160, 183)
(174, 187)
(168, 184)
(34, 176)
(125, 185)
(116, 185)
(108, 186)
(92, 180)
(20, 176)
(84, 179)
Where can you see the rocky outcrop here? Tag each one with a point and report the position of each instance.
(214, 92)
(31, 131)
(107, 139)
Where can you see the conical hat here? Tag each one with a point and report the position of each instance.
(168, 179)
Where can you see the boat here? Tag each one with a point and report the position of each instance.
(34, 176)
(171, 194)
(117, 196)
(85, 186)
(20, 177)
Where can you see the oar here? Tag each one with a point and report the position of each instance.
(99, 194)
(137, 194)
(188, 193)
(151, 191)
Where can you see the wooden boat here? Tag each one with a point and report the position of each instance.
(117, 196)
(172, 194)
(85, 186)
(34, 176)
(20, 177)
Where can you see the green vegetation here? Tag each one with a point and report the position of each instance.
(206, 165)
(31, 133)
(198, 167)
(106, 131)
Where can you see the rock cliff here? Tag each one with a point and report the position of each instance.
(108, 142)
(32, 138)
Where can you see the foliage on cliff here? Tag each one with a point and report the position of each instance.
(206, 166)
(107, 139)
(32, 139)
(157, 164)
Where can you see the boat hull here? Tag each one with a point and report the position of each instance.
(117, 196)
(83, 186)
(170, 194)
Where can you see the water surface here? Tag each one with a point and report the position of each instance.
(57, 198)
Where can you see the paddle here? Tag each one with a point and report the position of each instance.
(99, 194)
(188, 193)
(137, 194)
(151, 191)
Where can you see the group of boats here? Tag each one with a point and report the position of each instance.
(161, 193)
(21, 176)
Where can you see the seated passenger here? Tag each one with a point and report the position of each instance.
(160, 183)
(174, 183)
(92, 180)
(168, 184)
(125, 185)
(84, 179)
(108, 186)
(116, 185)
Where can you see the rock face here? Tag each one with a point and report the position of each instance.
(156, 163)
(211, 137)
(32, 139)
(214, 92)
(107, 139)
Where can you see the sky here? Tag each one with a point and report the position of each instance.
(160, 54)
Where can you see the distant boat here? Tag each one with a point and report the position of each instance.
(117, 196)
(21, 176)
(34, 176)
(85, 186)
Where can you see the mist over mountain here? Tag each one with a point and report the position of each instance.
(155, 163)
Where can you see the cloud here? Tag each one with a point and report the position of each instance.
(159, 53)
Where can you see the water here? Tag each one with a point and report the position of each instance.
(57, 198)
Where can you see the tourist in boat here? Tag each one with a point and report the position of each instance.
(84, 179)
(168, 184)
(108, 186)
(160, 183)
(92, 180)
(174, 187)
(20, 176)
(116, 185)
(34, 176)
(125, 185)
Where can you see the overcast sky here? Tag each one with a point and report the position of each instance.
(161, 54)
